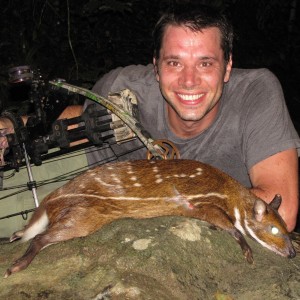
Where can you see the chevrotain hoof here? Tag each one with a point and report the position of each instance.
(7, 273)
(249, 256)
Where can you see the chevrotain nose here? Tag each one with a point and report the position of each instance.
(292, 253)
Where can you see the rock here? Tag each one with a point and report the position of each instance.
(159, 258)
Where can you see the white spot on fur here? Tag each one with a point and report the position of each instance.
(100, 181)
(133, 178)
(129, 169)
(141, 244)
(136, 184)
(155, 169)
(36, 228)
(159, 180)
(117, 180)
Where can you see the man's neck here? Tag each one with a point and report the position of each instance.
(189, 129)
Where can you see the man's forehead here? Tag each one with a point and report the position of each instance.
(171, 30)
(182, 34)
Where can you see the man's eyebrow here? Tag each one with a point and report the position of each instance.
(207, 58)
(178, 57)
(171, 57)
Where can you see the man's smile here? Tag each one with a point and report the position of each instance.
(190, 98)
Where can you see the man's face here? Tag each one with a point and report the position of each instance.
(191, 72)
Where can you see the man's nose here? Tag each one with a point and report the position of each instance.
(189, 78)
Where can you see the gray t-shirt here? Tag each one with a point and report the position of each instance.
(252, 123)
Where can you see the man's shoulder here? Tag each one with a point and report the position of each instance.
(252, 92)
(253, 86)
(125, 77)
(136, 73)
(248, 76)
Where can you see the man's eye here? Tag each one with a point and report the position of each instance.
(173, 63)
(205, 64)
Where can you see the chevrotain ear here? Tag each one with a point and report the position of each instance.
(275, 203)
(259, 209)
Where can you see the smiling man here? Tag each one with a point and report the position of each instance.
(233, 119)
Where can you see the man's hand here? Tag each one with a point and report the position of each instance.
(3, 144)
(3, 140)
(6, 127)
(278, 174)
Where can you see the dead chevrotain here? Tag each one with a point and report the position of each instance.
(152, 188)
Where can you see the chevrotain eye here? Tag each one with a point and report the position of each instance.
(274, 230)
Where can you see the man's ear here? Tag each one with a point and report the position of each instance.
(155, 62)
(228, 69)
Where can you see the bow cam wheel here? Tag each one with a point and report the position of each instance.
(166, 148)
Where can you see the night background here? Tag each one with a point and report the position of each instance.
(81, 40)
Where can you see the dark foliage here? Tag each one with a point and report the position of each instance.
(81, 40)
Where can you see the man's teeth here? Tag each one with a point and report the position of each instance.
(190, 97)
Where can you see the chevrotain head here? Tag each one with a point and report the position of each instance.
(268, 228)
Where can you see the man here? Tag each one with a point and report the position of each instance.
(233, 119)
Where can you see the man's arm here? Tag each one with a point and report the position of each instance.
(71, 112)
(278, 174)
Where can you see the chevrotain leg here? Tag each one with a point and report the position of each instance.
(52, 235)
(34, 248)
(217, 217)
(244, 245)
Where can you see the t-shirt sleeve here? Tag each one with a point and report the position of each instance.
(268, 128)
(103, 85)
(132, 149)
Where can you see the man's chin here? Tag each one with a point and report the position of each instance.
(190, 117)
